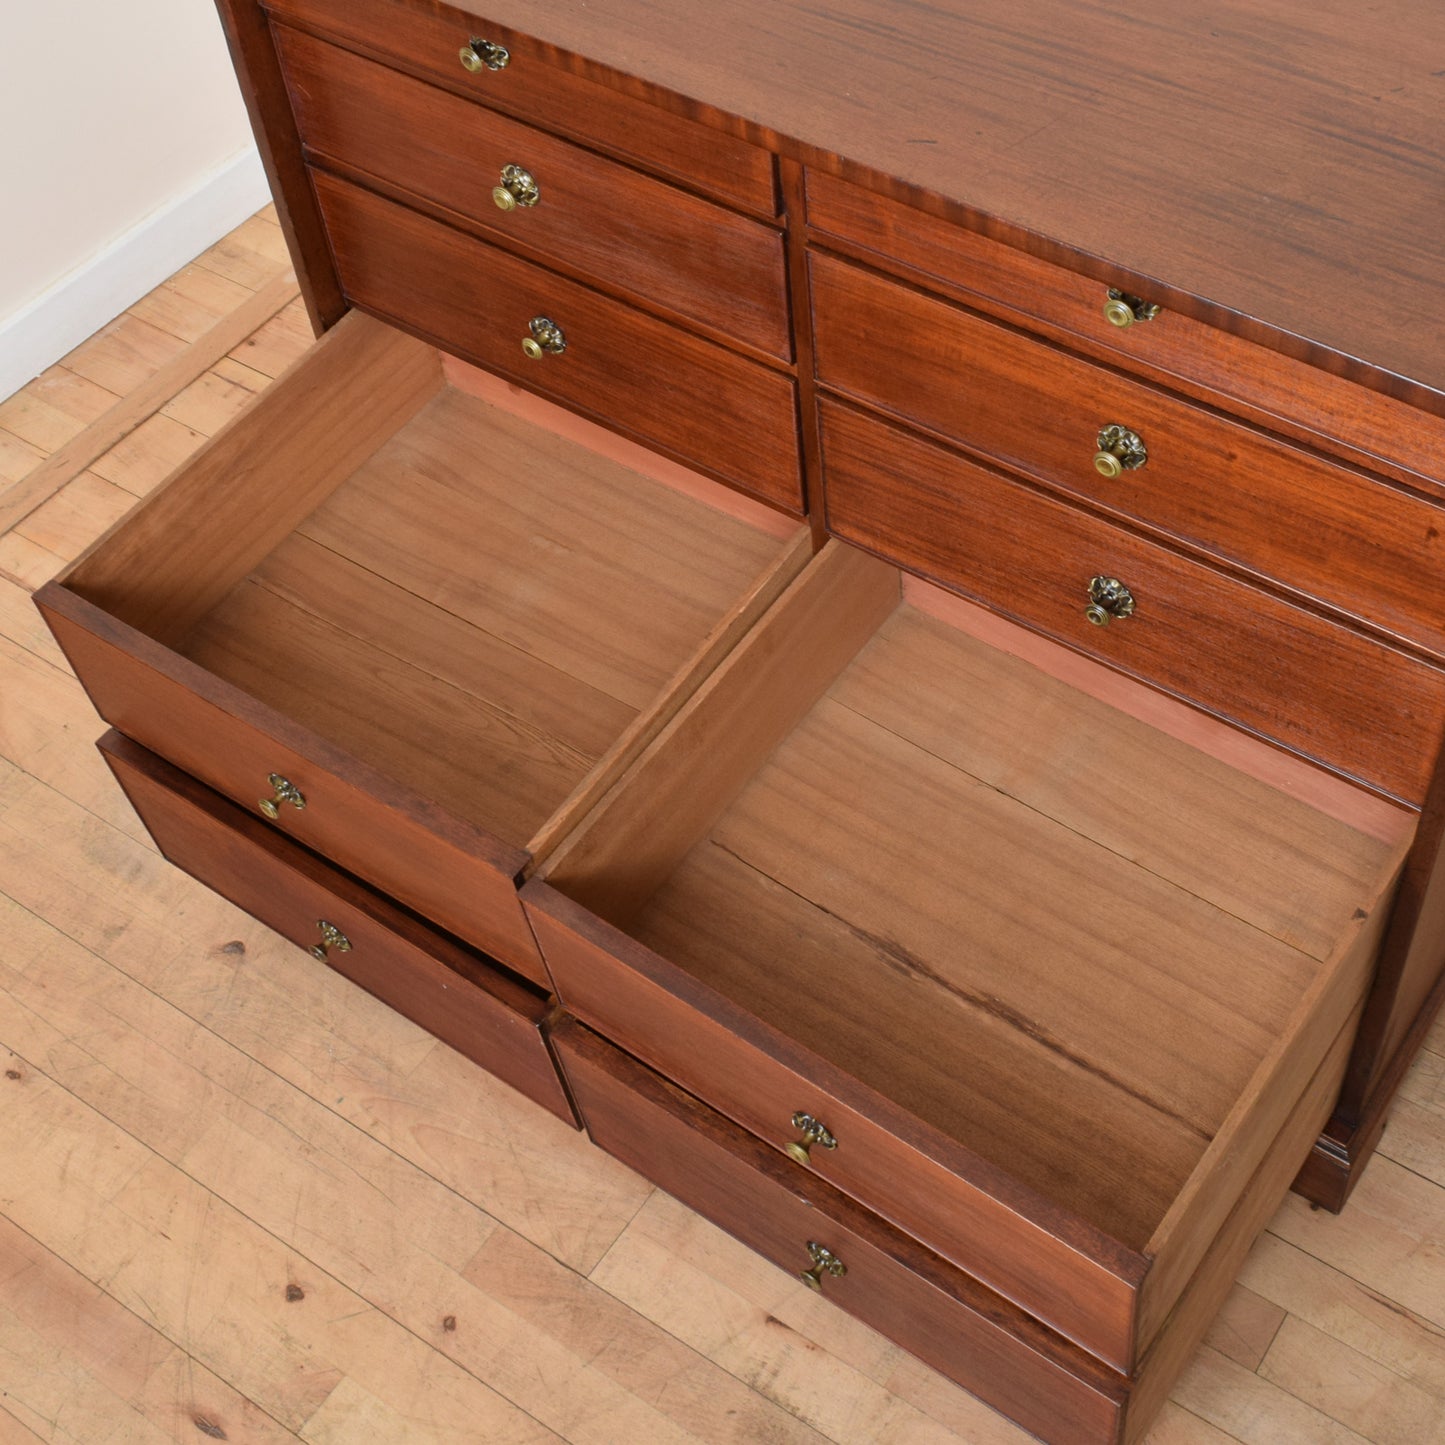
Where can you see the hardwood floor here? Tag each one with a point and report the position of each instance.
(240, 1200)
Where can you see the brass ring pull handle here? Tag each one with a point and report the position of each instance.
(331, 937)
(813, 1133)
(283, 792)
(1108, 599)
(1120, 451)
(478, 55)
(1122, 309)
(546, 338)
(824, 1262)
(518, 188)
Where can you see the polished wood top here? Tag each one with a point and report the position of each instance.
(1277, 168)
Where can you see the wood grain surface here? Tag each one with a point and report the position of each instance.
(1372, 550)
(731, 418)
(339, 1149)
(1218, 366)
(1273, 171)
(424, 41)
(605, 223)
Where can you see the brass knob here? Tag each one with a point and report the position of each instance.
(331, 937)
(824, 1262)
(546, 339)
(813, 1133)
(477, 55)
(517, 189)
(1123, 310)
(1108, 598)
(1120, 451)
(283, 792)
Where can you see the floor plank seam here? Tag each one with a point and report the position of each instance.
(190, 1358)
(287, 1245)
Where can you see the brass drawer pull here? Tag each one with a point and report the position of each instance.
(1122, 310)
(813, 1133)
(546, 339)
(1108, 599)
(824, 1261)
(518, 188)
(478, 55)
(1120, 451)
(331, 937)
(284, 792)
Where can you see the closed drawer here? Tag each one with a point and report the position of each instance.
(1289, 674)
(414, 628)
(916, 1299)
(1360, 544)
(1327, 410)
(604, 221)
(692, 399)
(460, 998)
(1047, 979)
(546, 86)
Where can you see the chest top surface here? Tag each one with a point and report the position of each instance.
(1274, 167)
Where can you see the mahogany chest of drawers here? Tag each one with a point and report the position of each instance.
(851, 600)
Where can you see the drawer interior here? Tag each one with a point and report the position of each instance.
(1075, 933)
(484, 610)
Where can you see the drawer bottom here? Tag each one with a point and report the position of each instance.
(457, 996)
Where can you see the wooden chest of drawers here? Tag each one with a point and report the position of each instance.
(906, 701)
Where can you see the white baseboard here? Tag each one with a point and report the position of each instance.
(77, 306)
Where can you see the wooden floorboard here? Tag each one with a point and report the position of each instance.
(240, 1200)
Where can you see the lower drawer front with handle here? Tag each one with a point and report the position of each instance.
(457, 996)
(699, 402)
(1292, 675)
(863, 1265)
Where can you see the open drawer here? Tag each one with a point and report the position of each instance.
(1034, 974)
(418, 631)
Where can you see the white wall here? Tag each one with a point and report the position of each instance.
(124, 152)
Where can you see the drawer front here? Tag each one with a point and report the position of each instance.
(539, 84)
(1081, 1284)
(605, 221)
(455, 875)
(458, 997)
(1293, 676)
(1359, 544)
(1329, 410)
(932, 1310)
(700, 403)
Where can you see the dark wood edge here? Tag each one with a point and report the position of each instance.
(258, 68)
(573, 1037)
(800, 303)
(1330, 1174)
(478, 971)
(1073, 1232)
(56, 599)
(1022, 238)
(1421, 883)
